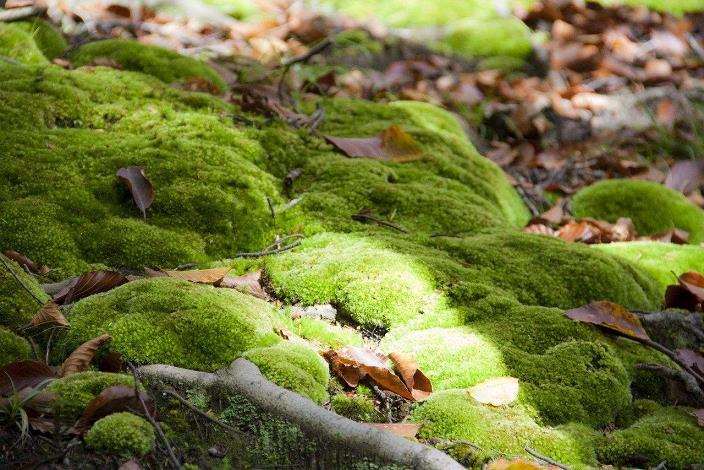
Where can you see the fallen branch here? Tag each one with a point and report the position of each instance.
(15, 14)
(244, 378)
(663, 321)
(545, 459)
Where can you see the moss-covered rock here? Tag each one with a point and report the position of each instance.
(17, 306)
(166, 65)
(48, 39)
(12, 347)
(123, 434)
(74, 392)
(668, 434)
(17, 45)
(652, 207)
(295, 367)
(173, 322)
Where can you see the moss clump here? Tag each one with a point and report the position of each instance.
(50, 41)
(652, 207)
(166, 65)
(73, 393)
(668, 434)
(173, 322)
(500, 37)
(294, 367)
(17, 44)
(325, 334)
(122, 434)
(17, 306)
(357, 407)
(454, 415)
(12, 347)
(660, 260)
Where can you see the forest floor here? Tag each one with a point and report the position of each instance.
(480, 229)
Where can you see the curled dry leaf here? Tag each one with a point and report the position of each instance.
(139, 186)
(415, 380)
(249, 283)
(498, 391)
(392, 144)
(80, 359)
(692, 359)
(407, 430)
(111, 362)
(699, 414)
(21, 374)
(686, 176)
(688, 293)
(112, 400)
(25, 262)
(88, 284)
(675, 235)
(49, 315)
(200, 276)
(580, 231)
(611, 316)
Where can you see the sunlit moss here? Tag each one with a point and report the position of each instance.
(74, 392)
(17, 44)
(123, 434)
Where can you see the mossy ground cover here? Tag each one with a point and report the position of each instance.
(462, 288)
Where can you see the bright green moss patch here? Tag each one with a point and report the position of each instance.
(357, 407)
(652, 207)
(17, 306)
(122, 434)
(453, 414)
(48, 39)
(325, 334)
(668, 434)
(12, 347)
(73, 393)
(173, 322)
(295, 367)
(166, 65)
(17, 44)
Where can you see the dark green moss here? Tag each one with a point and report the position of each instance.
(357, 407)
(18, 45)
(12, 347)
(17, 306)
(122, 434)
(73, 393)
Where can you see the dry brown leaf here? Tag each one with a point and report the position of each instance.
(498, 391)
(699, 414)
(610, 316)
(392, 144)
(694, 283)
(25, 262)
(49, 315)
(407, 430)
(200, 276)
(80, 359)
(139, 186)
(540, 229)
(580, 231)
(112, 400)
(249, 283)
(88, 284)
(416, 381)
(21, 374)
(686, 176)
(692, 359)
(675, 235)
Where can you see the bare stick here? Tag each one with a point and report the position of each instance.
(363, 217)
(19, 281)
(545, 459)
(15, 14)
(266, 252)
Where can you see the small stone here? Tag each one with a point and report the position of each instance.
(323, 312)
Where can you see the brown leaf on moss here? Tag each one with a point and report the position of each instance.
(694, 283)
(392, 144)
(540, 229)
(112, 400)
(677, 296)
(353, 364)
(88, 284)
(249, 283)
(686, 176)
(407, 430)
(200, 276)
(80, 359)
(111, 362)
(610, 316)
(675, 235)
(415, 380)
(498, 391)
(580, 231)
(692, 359)
(699, 414)
(25, 262)
(49, 315)
(21, 374)
(139, 186)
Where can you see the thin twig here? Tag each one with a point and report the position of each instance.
(673, 356)
(546, 459)
(267, 252)
(7, 266)
(205, 415)
(151, 419)
(315, 50)
(271, 207)
(363, 217)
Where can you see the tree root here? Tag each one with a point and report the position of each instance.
(690, 383)
(243, 377)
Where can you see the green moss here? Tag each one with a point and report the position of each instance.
(173, 322)
(163, 64)
(326, 334)
(357, 407)
(48, 39)
(454, 415)
(17, 306)
(660, 260)
(73, 393)
(123, 434)
(652, 207)
(668, 434)
(500, 37)
(294, 367)
(12, 347)
(17, 44)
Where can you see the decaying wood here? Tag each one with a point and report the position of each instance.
(243, 377)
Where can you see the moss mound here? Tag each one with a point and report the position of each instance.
(358, 408)
(122, 434)
(295, 367)
(12, 347)
(73, 393)
(169, 321)
(17, 45)
(48, 39)
(17, 306)
(166, 65)
(652, 207)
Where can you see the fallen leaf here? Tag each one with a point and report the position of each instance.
(249, 283)
(112, 400)
(392, 144)
(49, 315)
(407, 430)
(21, 374)
(699, 414)
(498, 391)
(540, 229)
(80, 359)
(580, 231)
(88, 284)
(200, 276)
(111, 362)
(677, 296)
(685, 176)
(611, 316)
(517, 464)
(694, 283)
(692, 359)
(25, 262)
(139, 186)
(415, 380)
(674, 235)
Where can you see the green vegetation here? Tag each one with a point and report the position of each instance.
(17, 44)
(357, 407)
(49, 40)
(17, 306)
(122, 434)
(73, 393)
(12, 347)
